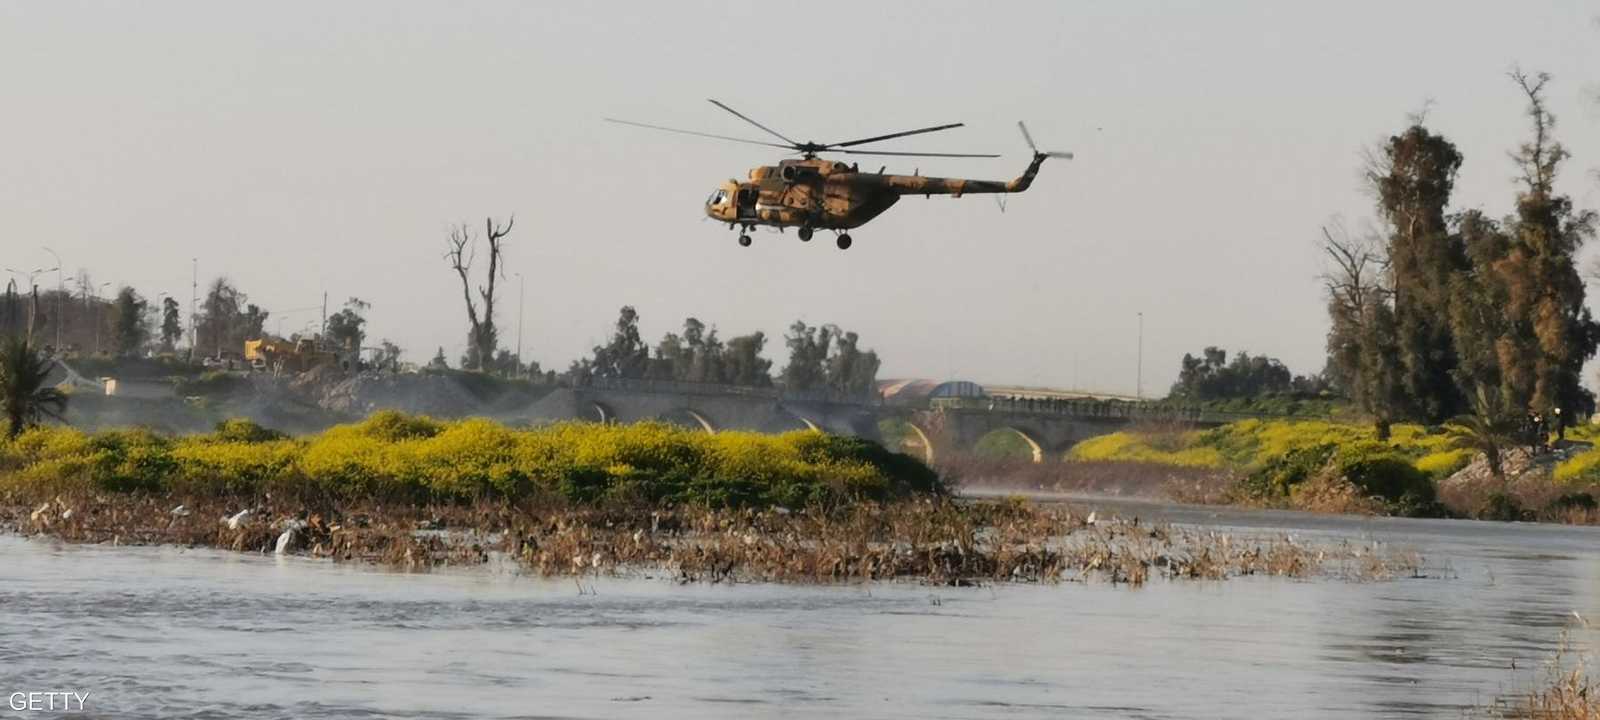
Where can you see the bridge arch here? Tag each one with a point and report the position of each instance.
(602, 413)
(926, 439)
(688, 417)
(1030, 440)
(784, 420)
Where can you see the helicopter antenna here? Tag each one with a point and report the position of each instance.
(810, 149)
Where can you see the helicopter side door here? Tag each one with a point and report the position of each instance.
(744, 201)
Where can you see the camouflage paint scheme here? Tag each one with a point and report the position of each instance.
(830, 195)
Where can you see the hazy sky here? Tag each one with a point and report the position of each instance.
(308, 147)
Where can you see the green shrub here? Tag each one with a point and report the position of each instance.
(245, 431)
(1278, 476)
(1390, 477)
(130, 460)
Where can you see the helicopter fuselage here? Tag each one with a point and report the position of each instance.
(816, 193)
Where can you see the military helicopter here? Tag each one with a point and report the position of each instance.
(812, 193)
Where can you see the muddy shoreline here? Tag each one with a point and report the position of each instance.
(936, 541)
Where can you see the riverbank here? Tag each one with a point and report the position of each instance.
(1326, 466)
(938, 541)
(579, 499)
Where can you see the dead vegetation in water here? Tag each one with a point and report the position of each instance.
(936, 541)
(1565, 690)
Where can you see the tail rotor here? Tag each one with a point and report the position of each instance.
(1028, 137)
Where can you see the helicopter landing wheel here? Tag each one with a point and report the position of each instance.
(805, 234)
(744, 241)
(844, 241)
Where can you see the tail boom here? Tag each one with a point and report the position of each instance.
(956, 187)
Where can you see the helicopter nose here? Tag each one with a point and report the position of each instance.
(717, 203)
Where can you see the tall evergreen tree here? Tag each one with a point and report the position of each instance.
(131, 330)
(851, 371)
(1479, 297)
(625, 355)
(1413, 186)
(171, 326)
(808, 356)
(1550, 334)
(743, 364)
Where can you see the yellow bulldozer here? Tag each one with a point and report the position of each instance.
(294, 356)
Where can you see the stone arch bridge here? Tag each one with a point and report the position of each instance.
(941, 427)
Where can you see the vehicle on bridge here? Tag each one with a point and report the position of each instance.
(811, 193)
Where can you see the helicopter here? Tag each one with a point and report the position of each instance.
(813, 193)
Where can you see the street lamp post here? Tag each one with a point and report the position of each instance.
(61, 302)
(162, 315)
(97, 304)
(31, 287)
(522, 285)
(194, 302)
(1138, 390)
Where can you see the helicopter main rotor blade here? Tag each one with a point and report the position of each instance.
(742, 116)
(911, 154)
(692, 132)
(895, 135)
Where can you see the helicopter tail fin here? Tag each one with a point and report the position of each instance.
(1020, 184)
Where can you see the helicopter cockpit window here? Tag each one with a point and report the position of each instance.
(717, 197)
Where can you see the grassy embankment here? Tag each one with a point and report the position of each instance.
(578, 498)
(1342, 467)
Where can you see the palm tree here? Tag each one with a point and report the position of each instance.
(1488, 430)
(25, 396)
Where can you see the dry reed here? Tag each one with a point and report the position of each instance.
(936, 541)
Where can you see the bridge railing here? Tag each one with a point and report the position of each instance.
(679, 387)
(1087, 408)
(1070, 407)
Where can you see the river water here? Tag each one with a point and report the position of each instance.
(173, 633)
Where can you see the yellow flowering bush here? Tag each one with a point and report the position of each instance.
(1274, 456)
(1582, 466)
(1136, 447)
(391, 455)
(1444, 463)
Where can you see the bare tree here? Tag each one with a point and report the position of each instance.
(1359, 266)
(1362, 352)
(461, 250)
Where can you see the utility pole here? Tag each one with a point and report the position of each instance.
(324, 332)
(97, 305)
(194, 307)
(1138, 391)
(522, 286)
(61, 315)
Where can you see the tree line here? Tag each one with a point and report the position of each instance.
(1211, 376)
(1442, 314)
(820, 358)
(823, 358)
(129, 324)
